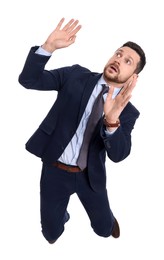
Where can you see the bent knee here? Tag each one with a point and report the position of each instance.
(106, 232)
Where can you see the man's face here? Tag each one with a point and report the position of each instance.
(121, 66)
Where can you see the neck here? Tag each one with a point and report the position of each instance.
(114, 84)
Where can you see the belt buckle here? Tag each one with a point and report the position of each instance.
(69, 168)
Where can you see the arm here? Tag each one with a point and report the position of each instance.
(118, 144)
(61, 38)
(33, 75)
(114, 107)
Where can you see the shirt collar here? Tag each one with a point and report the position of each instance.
(116, 90)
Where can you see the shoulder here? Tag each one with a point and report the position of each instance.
(81, 69)
(78, 71)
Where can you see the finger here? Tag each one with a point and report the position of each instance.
(72, 26)
(60, 24)
(132, 84)
(129, 86)
(65, 28)
(125, 101)
(72, 39)
(110, 92)
(73, 33)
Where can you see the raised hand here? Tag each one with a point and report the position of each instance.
(114, 107)
(62, 37)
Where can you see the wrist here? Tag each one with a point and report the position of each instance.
(111, 124)
(47, 47)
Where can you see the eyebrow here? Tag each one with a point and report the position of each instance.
(121, 50)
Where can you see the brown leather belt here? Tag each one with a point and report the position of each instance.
(65, 167)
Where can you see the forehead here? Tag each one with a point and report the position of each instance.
(130, 53)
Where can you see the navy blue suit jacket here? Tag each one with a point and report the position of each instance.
(74, 85)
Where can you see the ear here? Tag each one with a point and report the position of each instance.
(132, 78)
(135, 76)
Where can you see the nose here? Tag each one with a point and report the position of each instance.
(117, 61)
(116, 64)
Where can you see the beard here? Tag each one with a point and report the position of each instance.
(113, 77)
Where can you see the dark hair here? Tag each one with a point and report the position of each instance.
(140, 52)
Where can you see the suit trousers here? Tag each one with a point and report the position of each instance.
(56, 187)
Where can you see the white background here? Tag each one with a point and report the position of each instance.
(135, 186)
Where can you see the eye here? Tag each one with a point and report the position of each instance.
(118, 54)
(128, 61)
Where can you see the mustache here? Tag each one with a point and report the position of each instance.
(115, 67)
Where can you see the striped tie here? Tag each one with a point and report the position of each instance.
(95, 115)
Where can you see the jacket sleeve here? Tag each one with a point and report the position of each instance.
(118, 145)
(35, 76)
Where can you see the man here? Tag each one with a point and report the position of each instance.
(59, 139)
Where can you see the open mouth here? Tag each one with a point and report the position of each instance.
(114, 67)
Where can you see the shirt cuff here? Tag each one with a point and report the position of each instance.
(41, 51)
(108, 133)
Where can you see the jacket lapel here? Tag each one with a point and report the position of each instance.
(89, 86)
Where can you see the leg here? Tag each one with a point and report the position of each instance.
(56, 186)
(97, 207)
